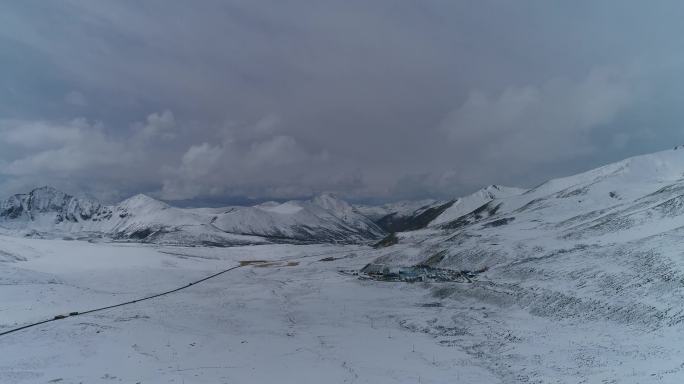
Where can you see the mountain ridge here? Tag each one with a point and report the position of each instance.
(327, 218)
(46, 210)
(624, 207)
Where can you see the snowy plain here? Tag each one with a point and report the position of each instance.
(300, 321)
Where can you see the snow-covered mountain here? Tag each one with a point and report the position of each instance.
(405, 215)
(628, 201)
(50, 206)
(606, 243)
(401, 208)
(413, 215)
(469, 203)
(47, 211)
(324, 218)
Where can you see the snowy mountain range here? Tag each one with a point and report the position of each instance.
(621, 202)
(46, 211)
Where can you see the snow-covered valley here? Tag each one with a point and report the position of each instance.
(292, 322)
(302, 321)
(578, 280)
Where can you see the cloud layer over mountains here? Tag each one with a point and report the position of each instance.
(373, 100)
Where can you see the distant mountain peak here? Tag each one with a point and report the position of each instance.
(142, 201)
(45, 189)
(49, 203)
(466, 204)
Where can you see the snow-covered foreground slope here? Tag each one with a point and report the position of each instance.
(302, 321)
(292, 322)
(48, 212)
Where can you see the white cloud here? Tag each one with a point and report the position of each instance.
(41, 134)
(277, 150)
(159, 158)
(256, 166)
(37, 148)
(79, 154)
(157, 126)
(190, 178)
(297, 83)
(523, 127)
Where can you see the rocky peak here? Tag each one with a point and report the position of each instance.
(49, 200)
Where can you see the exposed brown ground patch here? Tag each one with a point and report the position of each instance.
(244, 263)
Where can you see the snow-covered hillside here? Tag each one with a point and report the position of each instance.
(401, 208)
(48, 212)
(600, 250)
(469, 203)
(419, 214)
(620, 203)
(325, 218)
(405, 215)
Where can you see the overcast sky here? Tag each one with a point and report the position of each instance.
(223, 101)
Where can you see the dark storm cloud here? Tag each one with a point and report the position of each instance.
(375, 100)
